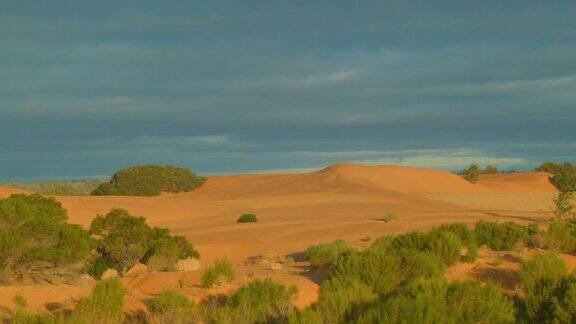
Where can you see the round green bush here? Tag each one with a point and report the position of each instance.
(149, 180)
(247, 218)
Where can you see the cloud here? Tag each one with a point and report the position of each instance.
(225, 87)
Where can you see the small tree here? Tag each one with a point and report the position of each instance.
(472, 174)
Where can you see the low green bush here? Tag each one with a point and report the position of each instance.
(306, 316)
(247, 218)
(435, 301)
(550, 292)
(411, 241)
(126, 240)
(339, 295)
(263, 301)
(446, 246)
(560, 236)
(172, 307)
(33, 229)
(103, 305)
(218, 274)
(501, 236)
(149, 180)
(325, 254)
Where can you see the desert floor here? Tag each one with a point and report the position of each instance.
(296, 211)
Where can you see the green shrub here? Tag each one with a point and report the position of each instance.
(501, 237)
(368, 268)
(401, 266)
(149, 180)
(410, 241)
(339, 295)
(33, 229)
(103, 305)
(435, 301)
(172, 307)
(446, 246)
(262, 301)
(220, 273)
(127, 240)
(550, 293)
(306, 316)
(471, 253)
(325, 254)
(472, 173)
(560, 236)
(419, 264)
(247, 218)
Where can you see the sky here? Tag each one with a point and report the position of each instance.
(87, 87)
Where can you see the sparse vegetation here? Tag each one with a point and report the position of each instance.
(262, 301)
(104, 305)
(472, 173)
(324, 254)
(247, 218)
(149, 180)
(59, 188)
(21, 315)
(390, 217)
(218, 274)
(172, 307)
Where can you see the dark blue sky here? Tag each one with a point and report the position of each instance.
(89, 86)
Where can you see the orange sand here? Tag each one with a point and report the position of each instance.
(298, 210)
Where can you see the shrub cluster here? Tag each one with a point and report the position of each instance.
(501, 236)
(149, 180)
(435, 301)
(400, 279)
(247, 218)
(324, 254)
(563, 175)
(550, 292)
(33, 230)
(126, 240)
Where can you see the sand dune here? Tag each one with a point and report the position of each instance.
(340, 201)
(295, 211)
